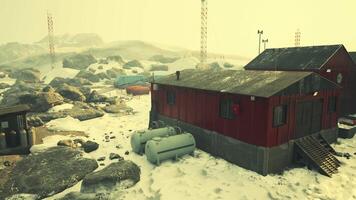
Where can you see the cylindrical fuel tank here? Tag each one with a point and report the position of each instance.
(23, 138)
(139, 138)
(31, 137)
(13, 139)
(2, 141)
(159, 149)
(157, 124)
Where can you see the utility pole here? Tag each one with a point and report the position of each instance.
(204, 34)
(259, 32)
(51, 39)
(297, 38)
(264, 43)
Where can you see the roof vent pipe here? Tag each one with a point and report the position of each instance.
(178, 75)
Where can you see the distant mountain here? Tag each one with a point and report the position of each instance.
(130, 50)
(78, 40)
(14, 50)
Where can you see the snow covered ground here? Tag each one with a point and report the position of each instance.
(203, 176)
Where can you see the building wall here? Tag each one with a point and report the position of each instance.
(282, 134)
(201, 108)
(254, 124)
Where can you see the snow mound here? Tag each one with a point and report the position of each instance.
(59, 72)
(60, 107)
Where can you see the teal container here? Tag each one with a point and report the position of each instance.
(172, 147)
(124, 81)
(139, 138)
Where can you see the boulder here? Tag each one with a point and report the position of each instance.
(122, 174)
(88, 75)
(95, 97)
(28, 75)
(132, 63)
(114, 72)
(76, 82)
(115, 156)
(66, 143)
(48, 172)
(103, 75)
(4, 85)
(118, 108)
(34, 121)
(85, 196)
(79, 61)
(41, 101)
(48, 88)
(116, 58)
(71, 92)
(12, 95)
(90, 146)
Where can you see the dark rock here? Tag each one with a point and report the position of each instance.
(88, 75)
(95, 97)
(90, 146)
(47, 173)
(48, 88)
(132, 63)
(103, 61)
(85, 196)
(23, 197)
(118, 146)
(100, 67)
(112, 137)
(7, 163)
(28, 75)
(127, 152)
(101, 158)
(76, 82)
(41, 101)
(34, 121)
(114, 72)
(115, 156)
(4, 85)
(124, 174)
(103, 75)
(79, 61)
(116, 58)
(67, 143)
(102, 164)
(71, 92)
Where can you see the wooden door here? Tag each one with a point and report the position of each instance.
(308, 117)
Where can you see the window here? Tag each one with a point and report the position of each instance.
(332, 104)
(5, 124)
(20, 121)
(226, 110)
(279, 115)
(171, 97)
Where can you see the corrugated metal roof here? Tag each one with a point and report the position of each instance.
(353, 56)
(14, 109)
(246, 82)
(294, 58)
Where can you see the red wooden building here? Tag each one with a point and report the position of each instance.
(330, 61)
(250, 118)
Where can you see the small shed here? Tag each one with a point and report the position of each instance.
(247, 117)
(12, 122)
(330, 61)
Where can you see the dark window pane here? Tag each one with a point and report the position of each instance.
(171, 97)
(332, 104)
(226, 110)
(279, 115)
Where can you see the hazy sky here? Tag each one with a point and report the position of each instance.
(232, 26)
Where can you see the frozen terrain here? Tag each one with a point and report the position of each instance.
(204, 176)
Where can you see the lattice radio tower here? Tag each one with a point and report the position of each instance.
(297, 38)
(51, 39)
(204, 34)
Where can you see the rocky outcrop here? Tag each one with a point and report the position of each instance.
(122, 174)
(41, 101)
(132, 63)
(95, 97)
(114, 72)
(90, 146)
(85, 196)
(71, 92)
(79, 61)
(88, 75)
(4, 85)
(48, 172)
(76, 82)
(117, 58)
(28, 75)
(118, 108)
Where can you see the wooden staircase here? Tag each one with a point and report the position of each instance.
(317, 152)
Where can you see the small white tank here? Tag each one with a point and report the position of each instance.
(139, 138)
(3, 144)
(23, 138)
(159, 149)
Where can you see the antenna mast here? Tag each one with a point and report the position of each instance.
(204, 33)
(51, 39)
(297, 38)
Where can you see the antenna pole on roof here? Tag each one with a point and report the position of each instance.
(264, 43)
(297, 38)
(259, 32)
